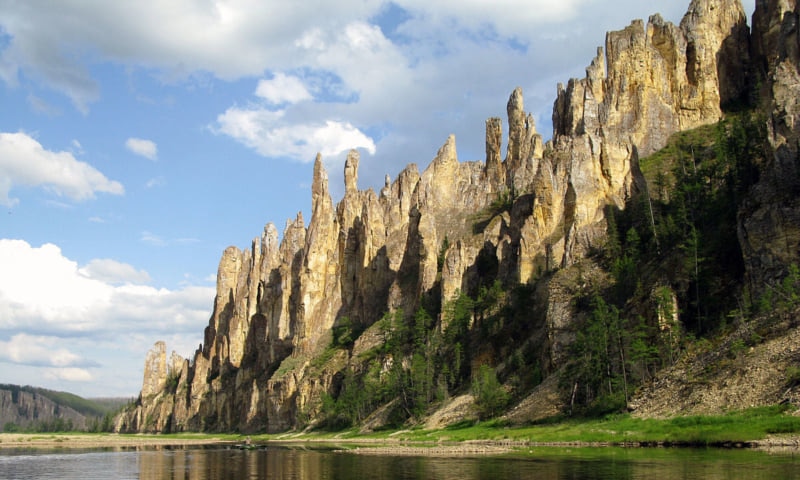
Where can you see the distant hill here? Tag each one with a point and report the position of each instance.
(27, 408)
(110, 404)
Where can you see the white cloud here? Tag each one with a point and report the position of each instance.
(111, 271)
(156, 182)
(69, 374)
(229, 39)
(43, 291)
(24, 161)
(68, 327)
(509, 17)
(267, 132)
(40, 106)
(282, 88)
(142, 147)
(77, 148)
(152, 239)
(36, 350)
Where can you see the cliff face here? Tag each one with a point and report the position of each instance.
(26, 409)
(769, 229)
(428, 234)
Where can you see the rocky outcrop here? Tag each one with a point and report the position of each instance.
(458, 226)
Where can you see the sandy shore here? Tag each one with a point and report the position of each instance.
(67, 440)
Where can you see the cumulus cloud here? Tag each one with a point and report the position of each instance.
(182, 37)
(58, 319)
(24, 161)
(40, 351)
(111, 271)
(142, 147)
(266, 132)
(41, 290)
(282, 89)
(409, 69)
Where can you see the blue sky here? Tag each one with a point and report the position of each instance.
(138, 139)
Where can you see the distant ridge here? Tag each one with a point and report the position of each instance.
(27, 408)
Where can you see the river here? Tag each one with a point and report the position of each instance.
(315, 463)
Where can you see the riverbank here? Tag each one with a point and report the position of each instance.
(777, 425)
(109, 440)
(356, 445)
(763, 427)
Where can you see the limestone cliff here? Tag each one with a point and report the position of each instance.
(458, 226)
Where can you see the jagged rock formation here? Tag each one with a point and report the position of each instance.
(157, 373)
(456, 224)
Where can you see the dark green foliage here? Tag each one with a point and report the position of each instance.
(104, 424)
(643, 355)
(625, 268)
(605, 404)
(783, 297)
(598, 368)
(442, 253)
(173, 378)
(422, 361)
(385, 379)
(11, 427)
(687, 224)
(491, 398)
(793, 376)
(345, 333)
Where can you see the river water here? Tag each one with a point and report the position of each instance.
(315, 463)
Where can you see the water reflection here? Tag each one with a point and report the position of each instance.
(313, 464)
(194, 463)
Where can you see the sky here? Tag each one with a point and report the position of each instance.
(140, 138)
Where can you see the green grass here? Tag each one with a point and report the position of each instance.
(732, 428)
(737, 427)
